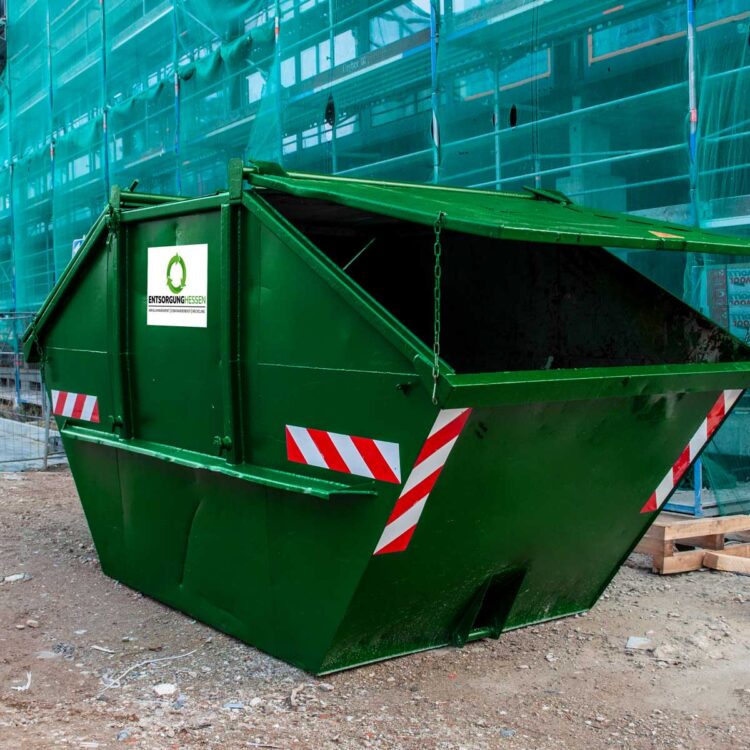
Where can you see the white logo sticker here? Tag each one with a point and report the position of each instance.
(177, 288)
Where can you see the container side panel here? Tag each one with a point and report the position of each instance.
(76, 344)
(306, 322)
(82, 322)
(316, 362)
(97, 477)
(546, 494)
(275, 569)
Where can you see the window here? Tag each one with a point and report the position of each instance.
(474, 85)
(627, 37)
(312, 136)
(255, 83)
(397, 108)
(323, 133)
(80, 167)
(308, 62)
(344, 47)
(289, 144)
(400, 22)
(347, 126)
(266, 15)
(315, 59)
(288, 72)
(309, 4)
(461, 6)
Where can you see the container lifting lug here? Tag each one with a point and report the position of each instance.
(222, 443)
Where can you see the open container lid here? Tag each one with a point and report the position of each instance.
(538, 215)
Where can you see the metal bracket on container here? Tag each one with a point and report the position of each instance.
(547, 194)
(113, 219)
(115, 198)
(222, 443)
(230, 313)
(117, 311)
(236, 178)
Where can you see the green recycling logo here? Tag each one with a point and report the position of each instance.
(176, 260)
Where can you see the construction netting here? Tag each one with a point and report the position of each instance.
(637, 106)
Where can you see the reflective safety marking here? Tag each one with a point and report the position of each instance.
(365, 457)
(75, 406)
(719, 412)
(405, 515)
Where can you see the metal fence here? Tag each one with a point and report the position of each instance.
(29, 438)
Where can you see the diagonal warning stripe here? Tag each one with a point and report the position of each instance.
(719, 412)
(405, 515)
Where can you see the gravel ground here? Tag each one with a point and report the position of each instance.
(567, 684)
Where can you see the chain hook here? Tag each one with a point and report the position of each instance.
(438, 251)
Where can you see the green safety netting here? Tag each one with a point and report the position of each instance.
(635, 106)
(31, 215)
(723, 53)
(77, 192)
(6, 223)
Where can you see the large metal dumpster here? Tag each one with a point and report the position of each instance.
(262, 436)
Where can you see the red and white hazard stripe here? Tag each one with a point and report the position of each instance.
(429, 464)
(75, 406)
(705, 432)
(365, 457)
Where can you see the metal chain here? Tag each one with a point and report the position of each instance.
(438, 250)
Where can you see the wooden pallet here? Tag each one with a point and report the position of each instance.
(706, 538)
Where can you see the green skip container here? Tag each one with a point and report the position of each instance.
(262, 435)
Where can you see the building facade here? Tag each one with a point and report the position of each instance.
(639, 106)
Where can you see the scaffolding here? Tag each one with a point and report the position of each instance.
(630, 107)
(633, 106)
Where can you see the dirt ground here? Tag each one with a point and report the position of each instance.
(567, 684)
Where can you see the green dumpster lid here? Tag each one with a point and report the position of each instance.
(537, 215)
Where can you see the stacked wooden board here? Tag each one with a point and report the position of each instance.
(677, 544)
